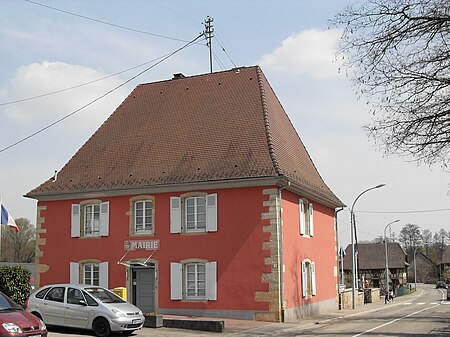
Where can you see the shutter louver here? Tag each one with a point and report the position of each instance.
(301, 205)
(304, 280)
(103, 274)
(211, 213)
(211, 281)
(75, 222)
(104, 219)
(176, 279)
(311, 220)
(313, 278)
(74, 273)
(175, 215)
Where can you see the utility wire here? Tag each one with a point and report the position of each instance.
(105, 22)
(100, 97)
(80, 85)
(223, 49)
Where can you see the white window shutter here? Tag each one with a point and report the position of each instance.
(311, 220)
(104, 219)
(103, 274)
(176, 281)
(313, 278)
(175, 214)
(211, 212)
(304, 280)
(75, 224)
(211, 281)
(301, 205)
(74, 273)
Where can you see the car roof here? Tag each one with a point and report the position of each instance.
(82, 286)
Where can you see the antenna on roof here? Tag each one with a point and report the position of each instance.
(209, 30)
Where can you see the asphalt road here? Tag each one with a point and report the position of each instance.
(425, 313)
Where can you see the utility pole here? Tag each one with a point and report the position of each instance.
(209, 30)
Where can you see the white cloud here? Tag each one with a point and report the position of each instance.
(47, 77)
(311, 52)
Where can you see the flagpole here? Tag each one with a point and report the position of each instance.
(1, 227)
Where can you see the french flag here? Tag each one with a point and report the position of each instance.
(7, 219)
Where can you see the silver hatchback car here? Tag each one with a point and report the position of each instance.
(86, 307)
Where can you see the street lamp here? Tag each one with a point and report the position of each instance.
(353, 232)
(386, 253)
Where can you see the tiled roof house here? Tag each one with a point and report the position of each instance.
(371, 259)
(183, 185)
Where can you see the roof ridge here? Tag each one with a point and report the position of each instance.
(270, 144)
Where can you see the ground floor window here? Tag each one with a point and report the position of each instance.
(193, 279)
(91, 274)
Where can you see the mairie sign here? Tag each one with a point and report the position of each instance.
(141, 245)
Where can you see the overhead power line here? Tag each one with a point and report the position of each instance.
(105, 22)
(101, 96)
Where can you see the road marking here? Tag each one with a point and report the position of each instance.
(421, 303)
(407, 303)
(395, 320)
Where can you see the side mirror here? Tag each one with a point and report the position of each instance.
(82, 302)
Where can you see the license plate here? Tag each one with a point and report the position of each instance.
(135, 321)
(39, 335)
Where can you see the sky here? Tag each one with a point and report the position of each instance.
(73, 60)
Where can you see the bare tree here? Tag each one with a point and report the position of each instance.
(399, 55)
(20, 246)
(410, 238)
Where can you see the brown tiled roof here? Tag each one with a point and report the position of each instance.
(212, 127)
(373, 256)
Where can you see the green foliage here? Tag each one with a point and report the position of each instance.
(15, 282)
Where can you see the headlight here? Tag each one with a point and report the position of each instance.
(44, 327)
(12, 327)
(118, 313)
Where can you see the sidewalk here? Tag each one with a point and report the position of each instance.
(247, 327)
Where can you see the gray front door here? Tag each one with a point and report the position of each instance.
(144, 288)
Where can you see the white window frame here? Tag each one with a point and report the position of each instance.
(199, 280)
(94, 269)
(179, 218)
(309, 287)
(306, 219)
(196, 214)
(77, 272)
(150, 225)
(179, 285)
(95, 223)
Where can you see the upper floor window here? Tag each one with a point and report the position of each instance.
(308, 279)
(306, 218)
(193, 213)
(143, 217)
(90, 219)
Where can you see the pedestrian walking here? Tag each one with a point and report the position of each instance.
(386, 297)
(391, 294)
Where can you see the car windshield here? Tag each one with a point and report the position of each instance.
(104, 295)
(7, 304)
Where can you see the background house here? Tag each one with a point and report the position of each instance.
(444, 265)
(371, 260)
(422, 270)
(199, 198)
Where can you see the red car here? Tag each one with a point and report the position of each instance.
(15, 321)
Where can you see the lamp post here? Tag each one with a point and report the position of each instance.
(353, 232)
(415, 270)
(386, 254)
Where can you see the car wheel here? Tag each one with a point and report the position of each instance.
(101, 327)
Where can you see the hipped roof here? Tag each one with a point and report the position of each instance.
(213, 127)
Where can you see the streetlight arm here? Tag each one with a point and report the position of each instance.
(369, 189)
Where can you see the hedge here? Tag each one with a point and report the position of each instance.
(15, 282)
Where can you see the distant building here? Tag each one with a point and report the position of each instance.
(199, 198)
(426, 270)
(371, 261)
(444, 265)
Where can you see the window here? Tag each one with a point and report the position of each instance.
(193, 280)
(306, 211)
(143, 217)
(56, 294)
(195, 277)
(90, 219)
(308, 279)
(91, 274)
(74, 296)
(193, 213)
